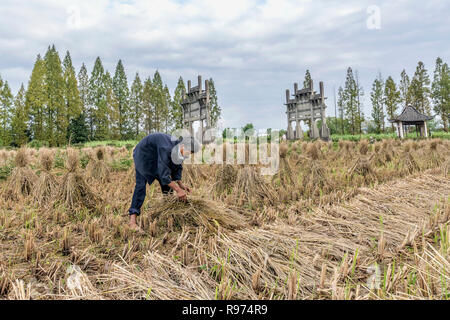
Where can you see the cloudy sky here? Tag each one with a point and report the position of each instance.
(253, 49)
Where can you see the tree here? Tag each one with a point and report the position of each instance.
(56, 122)
(35, 99)
(96, 111)
(122, 94)
(376, 97)
(6, 104)
(136, 105)
(167, 106)
(359, 94)
(158, 103)
(83, 88)
(391, 98)
(78, 129)
(107, 115)
(341, 108)
(147, 105)
(71, 94)
(176, 108)
(420, 90)
(307, 81)
(405, 93)
(440, 91)
(214, 104)
(351, 102)
(19, 132)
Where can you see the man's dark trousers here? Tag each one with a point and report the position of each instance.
(140, 191)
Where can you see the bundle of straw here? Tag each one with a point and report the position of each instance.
(47, 184)
(74, 192)
(22, 180)
(97, 167)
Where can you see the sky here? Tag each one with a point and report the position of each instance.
(253, 49)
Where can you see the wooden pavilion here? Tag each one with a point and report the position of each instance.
(411, 117)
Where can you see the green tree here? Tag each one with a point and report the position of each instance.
(216, 111)
(351, 102)
(158, 102)
(420, 89)
(83, 88)
(79, 130)
(136, 105)
(341, 104)
(55, 109)
(176, 108)
(122, 94)
(19, 119)
(35, 99)
(440, 91)
(405, 93)
(307, 81)
(96, 111)
(107, 114)
(376, 97)
(391, 98)
(147, 105)
(6, 106)
(71, 94)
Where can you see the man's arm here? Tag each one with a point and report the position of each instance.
(181, 194)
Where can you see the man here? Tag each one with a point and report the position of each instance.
(159, 156)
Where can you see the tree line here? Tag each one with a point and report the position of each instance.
(388, 99)
(60, 106)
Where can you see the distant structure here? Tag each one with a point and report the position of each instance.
(196, 107)
(306, 106)
(411, 117)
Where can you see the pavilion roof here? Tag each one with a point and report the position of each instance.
(410, 114)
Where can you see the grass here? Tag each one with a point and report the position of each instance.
(383, 136)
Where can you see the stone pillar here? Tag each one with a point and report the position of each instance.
(298, 130)
(290, 134)
(324, 130)
(200, 84)
(314, 130)
(189, 86)
(425, 129)
(400, 129)
(295, 88)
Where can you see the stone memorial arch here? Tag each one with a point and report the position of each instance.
(306, 105)
(196, 107)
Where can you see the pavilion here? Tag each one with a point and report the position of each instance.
(410, 116)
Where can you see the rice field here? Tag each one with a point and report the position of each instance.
(350, 220)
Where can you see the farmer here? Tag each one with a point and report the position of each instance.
(160, 156)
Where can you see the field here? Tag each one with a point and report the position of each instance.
(346, 220)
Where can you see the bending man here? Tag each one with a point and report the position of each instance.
(159, 156)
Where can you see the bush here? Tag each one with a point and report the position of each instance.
(37, 144)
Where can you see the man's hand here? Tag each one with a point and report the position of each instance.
(184, 187)
(181, 194)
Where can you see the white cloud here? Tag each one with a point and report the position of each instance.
(253, 49)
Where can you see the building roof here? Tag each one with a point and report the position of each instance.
(410, 114)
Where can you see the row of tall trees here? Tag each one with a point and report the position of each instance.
(388, 98)
(61, 106)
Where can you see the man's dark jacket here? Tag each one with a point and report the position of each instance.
(153, 158)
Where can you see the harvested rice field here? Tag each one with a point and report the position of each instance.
(347, 220)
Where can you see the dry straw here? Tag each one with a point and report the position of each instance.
(97, 167)
(74, 192)
(22, 180)
(47, 183)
